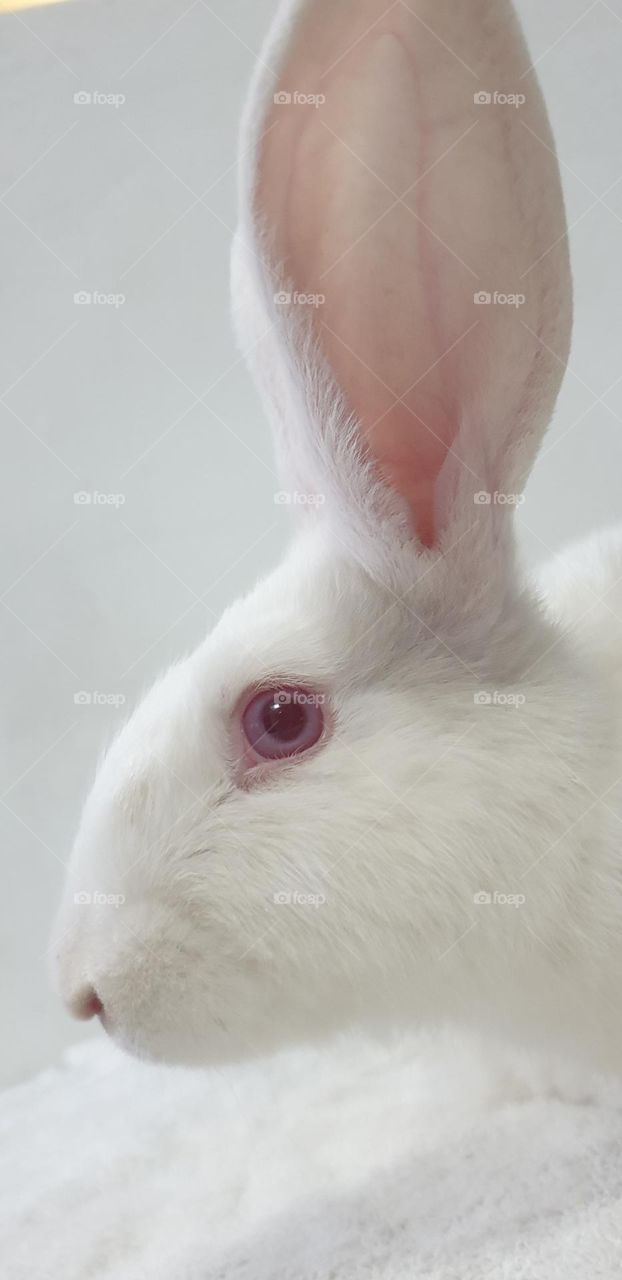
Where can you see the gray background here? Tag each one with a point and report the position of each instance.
(148, 399)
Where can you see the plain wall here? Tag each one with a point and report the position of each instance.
(148, 399)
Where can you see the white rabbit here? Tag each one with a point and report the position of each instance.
(384, 788)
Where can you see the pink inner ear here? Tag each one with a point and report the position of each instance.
(346, 163)
(398, 198)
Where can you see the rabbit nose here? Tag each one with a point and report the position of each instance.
(85, 1004)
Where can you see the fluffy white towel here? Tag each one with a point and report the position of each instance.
(395, 1162)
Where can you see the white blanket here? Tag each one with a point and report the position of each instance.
(418, 1159)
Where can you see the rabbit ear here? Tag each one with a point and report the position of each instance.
(400, 270)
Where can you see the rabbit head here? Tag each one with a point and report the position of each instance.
(299, 825)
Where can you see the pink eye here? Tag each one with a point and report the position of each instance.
(283, 722)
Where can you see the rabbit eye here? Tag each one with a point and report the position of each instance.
(283, 722)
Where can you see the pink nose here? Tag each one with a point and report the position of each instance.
(85, 1004)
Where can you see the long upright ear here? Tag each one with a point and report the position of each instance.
(400, 272)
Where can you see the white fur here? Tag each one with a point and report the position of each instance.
(422, 797)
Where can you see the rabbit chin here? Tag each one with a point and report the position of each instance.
(189, 1031)
(192, 1036)
(201, 1042)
